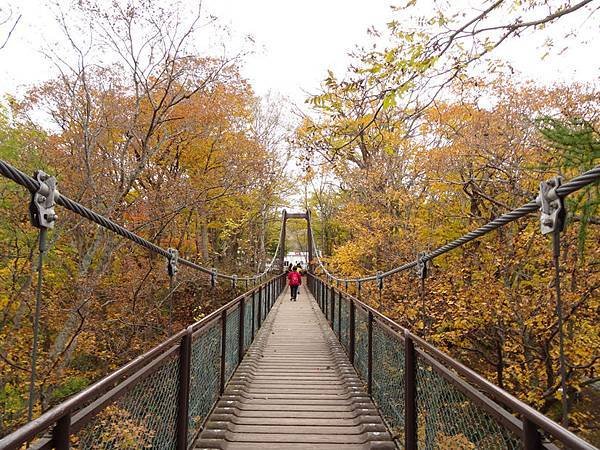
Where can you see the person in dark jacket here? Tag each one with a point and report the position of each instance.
(294, 280)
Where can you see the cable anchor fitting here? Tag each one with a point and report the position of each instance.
(213, 277)
(552, 207)
(379, 278)
(234, 281)
(172, 268)
(41, 207)
(421, 267)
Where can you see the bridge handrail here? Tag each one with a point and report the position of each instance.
(461, 372)
(573, 185)
(110, 387)
(33, 185)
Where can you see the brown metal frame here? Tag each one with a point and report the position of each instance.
(183, 396)
(492, 399)
(73, 414)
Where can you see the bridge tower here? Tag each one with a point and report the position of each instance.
(309, 237)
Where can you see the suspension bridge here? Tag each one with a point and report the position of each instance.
(326, 372)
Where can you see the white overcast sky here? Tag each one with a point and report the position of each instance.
(297, 41)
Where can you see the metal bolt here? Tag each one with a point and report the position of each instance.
(41, 199)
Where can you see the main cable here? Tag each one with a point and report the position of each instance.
(19, 177)
(580, 181)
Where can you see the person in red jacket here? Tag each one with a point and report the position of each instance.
(294, 280)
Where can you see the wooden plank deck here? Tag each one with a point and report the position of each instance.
(295, 389)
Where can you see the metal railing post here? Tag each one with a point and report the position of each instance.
(183, 396)
(61, 432)
(410, 393)
(223, 344)
(318, 292)
(318, 296)
(266, 302)
(253, 314)
(322, 288)
(332, 304)
(370, 353)
(241, 329)
(332, 308)
(531, 436)
(272, 302)
(259, 316)
(339, 314)
(352, 330)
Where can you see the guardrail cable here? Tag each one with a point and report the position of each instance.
(34, 185)
(585, 179)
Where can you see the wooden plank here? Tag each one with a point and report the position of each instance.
(295, 389)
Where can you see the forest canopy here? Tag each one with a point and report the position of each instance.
(424, 137)
(168, 142)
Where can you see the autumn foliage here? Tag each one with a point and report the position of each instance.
(492, 302)
(172, 145)
(405, 152)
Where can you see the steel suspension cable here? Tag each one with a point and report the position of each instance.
(580, 181)
(14, 174)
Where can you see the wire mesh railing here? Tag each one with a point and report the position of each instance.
(145, 415)
(162, 398)
(387, 377)
(205, 368)
(447, 418)
(428, 399)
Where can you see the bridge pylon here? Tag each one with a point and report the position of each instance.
(309, 237)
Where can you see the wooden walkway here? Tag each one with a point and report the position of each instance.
(295, 389)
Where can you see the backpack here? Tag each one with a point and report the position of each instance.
(295, 278)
